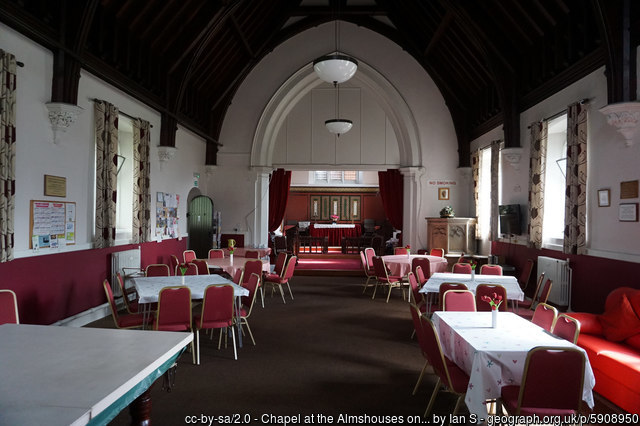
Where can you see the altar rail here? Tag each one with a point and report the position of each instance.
(315, 245)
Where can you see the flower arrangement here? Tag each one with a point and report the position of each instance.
(335, 217)
(183, 268)
(473, 264)
(408, 249)
(231, 245)
(494, 301)
(447, 211)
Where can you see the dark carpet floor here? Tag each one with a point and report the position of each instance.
(331, 352)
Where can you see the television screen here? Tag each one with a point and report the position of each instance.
(510, 219)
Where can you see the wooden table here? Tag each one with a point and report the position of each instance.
(55, 375)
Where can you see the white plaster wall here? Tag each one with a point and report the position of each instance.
(610, 162)
(74, 156)
(434, 125)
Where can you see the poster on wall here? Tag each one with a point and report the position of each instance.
(52, 224)
(167, 214)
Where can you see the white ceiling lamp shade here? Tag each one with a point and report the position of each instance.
(335, 68)
(338, 126)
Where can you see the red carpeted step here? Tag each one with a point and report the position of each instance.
(332, 264)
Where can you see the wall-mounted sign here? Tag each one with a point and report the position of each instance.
(55, 186)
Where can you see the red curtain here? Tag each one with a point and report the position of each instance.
(278, 196)
(391, 189)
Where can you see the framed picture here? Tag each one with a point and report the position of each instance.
(628, 212)
(604, 198)
(629, 189)
(443, 193)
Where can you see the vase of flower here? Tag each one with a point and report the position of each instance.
(334, 218)
(495, 303)
(447, 211)
(231, 258)
(494, 317)
(183, 270)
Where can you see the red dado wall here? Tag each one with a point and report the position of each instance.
(53, 287)
(593, 277)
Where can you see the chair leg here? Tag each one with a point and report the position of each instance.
(415, 389)
(375, 289)
(220, 340)
(193, 352)
(289, 287)
(233, 336)
(249, 330)
(282, 293)
(455, 410)
(389, 294)
(433, 398)
(198, 345)
(262, 296)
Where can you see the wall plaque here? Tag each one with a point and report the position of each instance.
(629, 189)
(55, 186)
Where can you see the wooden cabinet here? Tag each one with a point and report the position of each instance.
(454, 235)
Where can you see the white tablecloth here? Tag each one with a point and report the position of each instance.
(495, 357)
(400, 264)
(148, 288)
(231, 267)
(514, 292)
(336, 225)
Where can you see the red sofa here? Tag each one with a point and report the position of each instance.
(612, 342)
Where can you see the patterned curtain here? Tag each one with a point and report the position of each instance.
(495, 168)
(7, 153)
(575, 209)
(537, 167)
(106, 118)
(475, 174)
(141, 170)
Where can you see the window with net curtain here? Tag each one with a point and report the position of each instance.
(124, 201)
(555, 183)
(336, 177)
(484, 185)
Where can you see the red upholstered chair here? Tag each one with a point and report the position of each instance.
(437, 252)
(444, 287)
(530, 303)
(383, 277)
(174, 311)
(417, 298)
(217, 312)
(201, 266)
(248, 301)
(424, 263)
(188, 256)
(173, 264)
(192, 269)
(130, 305)
(370, 253)
(286, 276)
(545, 316)
(252, 254)
(545, 394)
(216, 254)
(251, 267)
(400, 250)
(123, 321)
(157, 270)
(489, 269)
(423, 251)
(461, 268)
(490, 290)
(237, 277)
(422, 279)
(459, 300)
(368, 272)
(525, 275)
(417, 329)
(8, 307)
(449, 374)
(567, 327)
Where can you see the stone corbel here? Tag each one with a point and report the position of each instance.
(166, 153)
(624, 116)
(513, 156)
(61, 116)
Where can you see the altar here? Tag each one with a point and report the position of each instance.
(335, 231)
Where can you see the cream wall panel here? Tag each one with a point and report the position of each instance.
(298, 137)
(323, 143)
(348, 145)
(392, 152)
(280, 148)
(373, 143)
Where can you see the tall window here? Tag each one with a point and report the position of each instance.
(555, 183)
(124, 200)
(484, 189)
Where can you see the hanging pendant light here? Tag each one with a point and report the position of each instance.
(338, 125)
(337, 67)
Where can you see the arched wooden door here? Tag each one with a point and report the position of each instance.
(200, 225)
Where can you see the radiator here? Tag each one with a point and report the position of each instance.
(126, 262)
(559, 272)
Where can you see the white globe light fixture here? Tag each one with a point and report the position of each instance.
(335, 68)
(338, 125)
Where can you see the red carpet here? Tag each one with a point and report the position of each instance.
(346, 264)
